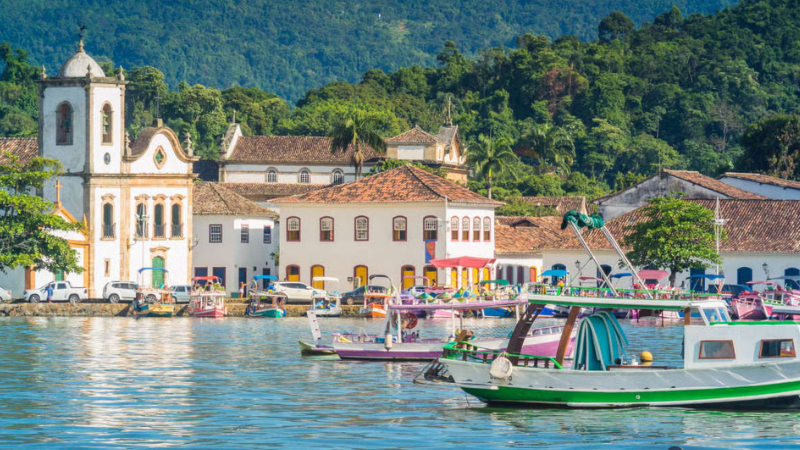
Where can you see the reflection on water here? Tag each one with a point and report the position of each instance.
(120, 382)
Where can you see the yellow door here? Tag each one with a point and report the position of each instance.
(361, 273)
(431, 274)
(486, 274)
(293, 273)
(317, 271)
(408, 271)
(465, 278)
(454, 278)
(475, 276)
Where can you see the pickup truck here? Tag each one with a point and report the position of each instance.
(62, 291)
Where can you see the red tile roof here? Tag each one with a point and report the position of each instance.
(414, 135)
(756, 226)
(24, 148)
(561, 204)
(292, 150)
(525, 235)
(215, 199)
(763, 179)
(401, 185)
(265, 191)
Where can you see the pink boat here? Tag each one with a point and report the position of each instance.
(207, 298)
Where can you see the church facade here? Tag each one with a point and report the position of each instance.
(134, 197)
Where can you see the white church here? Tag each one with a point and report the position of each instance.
(134, 197)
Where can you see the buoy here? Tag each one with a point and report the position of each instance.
(501, 368)
(646, 356)
(387, 341)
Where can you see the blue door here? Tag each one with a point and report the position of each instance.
(744, 275)
(242, 276)
(219, 272)
(792, 272)
(697, 284)
(265, 271)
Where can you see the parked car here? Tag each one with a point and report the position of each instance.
(298, 292)
(357, 295)
(181, 293)
(62, 291)
(114, 291)
(5, 295)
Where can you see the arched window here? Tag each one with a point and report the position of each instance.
(454, 228)
(476, 229)
(465, 229)
(510, 274)
(432, 275)
(326, 229)
(293, 229)
(107, 122)
(554, 280)
(744, 275)
(272, 176)
(141, 220)
(293, 273)
(487, 229)
(159, 227)
(399, 230)
(338, 177)
(362, 228)
(429, 228)
(177, 225)
(305, 177)
(64, 124)
(108, 221)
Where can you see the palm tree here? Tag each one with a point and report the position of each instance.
(553, 146)
(357, 131)
(490, 157)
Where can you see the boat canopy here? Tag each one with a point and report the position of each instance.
(710, 276)
(500, 282)
(622, 275)
(554, 273)
(324, 279)
(590, 278)
(153, 268)
(208, 278)
(456, 305)
(463, 261)
(624, 303)
(768, 283)
(787, 277)
(265, 277)
(651, 274)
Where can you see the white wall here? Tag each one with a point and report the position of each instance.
(172, 165)
(231, 253)
(767, 190)
(411, 152)
(257, 173)
(112, 96)
(73, 156)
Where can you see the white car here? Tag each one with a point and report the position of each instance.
(5, 295)
(297, 291)
(62, 291)
(181, 293)
(114, 291)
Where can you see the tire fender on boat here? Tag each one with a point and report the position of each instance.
(501, 368)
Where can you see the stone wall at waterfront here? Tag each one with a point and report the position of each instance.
(124, 310)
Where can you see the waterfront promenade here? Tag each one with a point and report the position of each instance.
(87, 309)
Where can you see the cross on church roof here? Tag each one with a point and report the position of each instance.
(58, 192)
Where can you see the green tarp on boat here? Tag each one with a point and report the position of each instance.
(582, 220)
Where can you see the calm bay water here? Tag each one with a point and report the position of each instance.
(239, 383)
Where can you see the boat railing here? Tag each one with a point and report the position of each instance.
(602, 292)
(467, 351)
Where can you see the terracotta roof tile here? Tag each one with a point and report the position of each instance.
(447, 135)
(762, 226)
(401, 185)
(763, 179)
(292, 149)
(414, 135)
(213, 199)
(561, 204)
(24, 148)
(266, 191)
(525, 235)
(712, 184)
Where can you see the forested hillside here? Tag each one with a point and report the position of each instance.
(706, 93)
(288, 47)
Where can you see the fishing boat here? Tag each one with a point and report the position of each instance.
(331, 304)
(375, 301)
(493, 290)
(317, 348)
(151, 300)
(264, 301)
(725, 365)
(207, 298)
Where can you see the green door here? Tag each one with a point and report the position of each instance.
(158, 275)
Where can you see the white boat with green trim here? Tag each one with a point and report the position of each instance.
(747, 365)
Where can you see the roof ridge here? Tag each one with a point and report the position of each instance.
(413, 172)
(218, 191)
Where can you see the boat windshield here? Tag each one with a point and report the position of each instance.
(715, 315)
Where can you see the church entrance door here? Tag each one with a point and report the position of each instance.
(158, 275)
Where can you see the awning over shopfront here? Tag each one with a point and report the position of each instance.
(464, 261)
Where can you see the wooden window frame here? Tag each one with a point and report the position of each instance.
(211, 233)
(289, 230)
(487, 230)
(321, 231)
(395, 237)
(700, 353)
(287, 271)
(333, 176)
(761, 348)
(355, 229)
(476, 229)
(465, 230)
(455, 230)
(435, 230)
(300, 176)
(272, 171)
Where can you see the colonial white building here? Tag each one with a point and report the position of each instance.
(385, 224)
(442, 150)
(134, 197)
(764, 185)
(518, 246)
(234, 238)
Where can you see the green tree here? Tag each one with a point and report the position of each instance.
(615, 26)
(357, 130)
(28, 230)
(490, 157)
(552, 146)
(675, 235)
(518, 206)
(772, 146)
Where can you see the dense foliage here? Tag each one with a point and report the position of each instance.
(706, 93)
(290, 47)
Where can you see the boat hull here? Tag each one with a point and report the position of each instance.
(269, 312)
(213, 313)
(307, 349)
(771, 385)
(155, 310)
(373, 311)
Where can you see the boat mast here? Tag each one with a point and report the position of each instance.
(718, 224)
